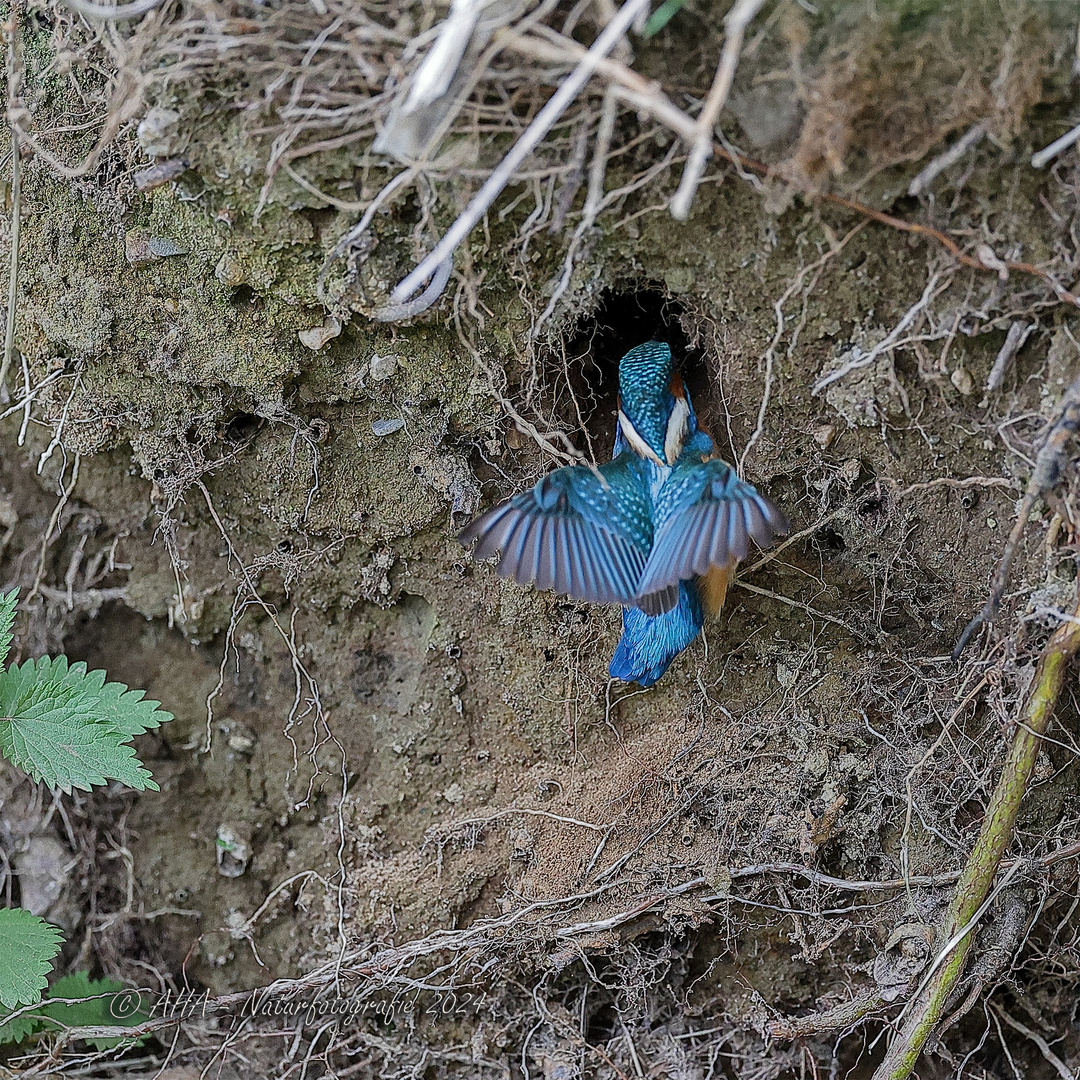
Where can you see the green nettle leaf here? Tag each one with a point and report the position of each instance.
(68, 727)
(27, 947)
(48, 729)
(16, 1030)
(127, 712)
(7, 617)
(97, 1012)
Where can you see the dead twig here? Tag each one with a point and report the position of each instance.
(917, 229)
(411, 308)
(970, 899)
(1060, 1067)
(861, 359)
(810, 530)
(1048, 153)
(530, 139)
(1044, 476)
(594, 201)
(354, 235)
(841, 1016)
(965, 482)
(988, 968)
(816, 267)
(637, 91)
(1014, 341)
(812, 612)
(112, 12)
(926, 176)
(735, 23)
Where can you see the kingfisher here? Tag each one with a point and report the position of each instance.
(659, 529)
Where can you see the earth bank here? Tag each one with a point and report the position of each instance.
(390, 763)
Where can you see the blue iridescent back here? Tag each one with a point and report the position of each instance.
(649, 643)
(686, 480)
(645, 393)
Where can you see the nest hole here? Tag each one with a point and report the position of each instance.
(828, 543)
(242, 427)
(623, 319)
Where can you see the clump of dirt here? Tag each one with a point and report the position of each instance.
(980, 67)
(397, 779)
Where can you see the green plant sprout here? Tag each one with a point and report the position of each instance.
(661, 17)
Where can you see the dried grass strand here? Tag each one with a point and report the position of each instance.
(114, 13)
(735, 23)
(529, 140)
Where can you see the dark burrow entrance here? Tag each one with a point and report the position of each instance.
(623, 319)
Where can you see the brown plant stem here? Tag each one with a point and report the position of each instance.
(846, 1014)
(927, 1007)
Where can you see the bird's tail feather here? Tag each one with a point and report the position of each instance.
(713, 586)
(649, 643)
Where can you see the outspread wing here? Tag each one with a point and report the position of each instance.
(706, 517)
(579, 533)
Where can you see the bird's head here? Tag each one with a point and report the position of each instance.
(655, 414)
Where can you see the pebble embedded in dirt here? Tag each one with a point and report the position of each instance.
(158, 132)
(233, 849)
(382, 367)
(386, 427)
(141, 250)
(316, 337)
(43, 868)
(229, 271)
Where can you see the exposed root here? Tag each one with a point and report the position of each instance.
(970, 899)
(1044, 476)
(846, 1015)
(798, 284)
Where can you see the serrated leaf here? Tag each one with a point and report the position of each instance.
(20, 679)
(27, 947)
(127, 712)
(7, 618)
(95, 1012)
(16, 1030)
(68, 753)
(47, 730)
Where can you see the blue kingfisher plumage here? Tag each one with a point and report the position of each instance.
(659, 529)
